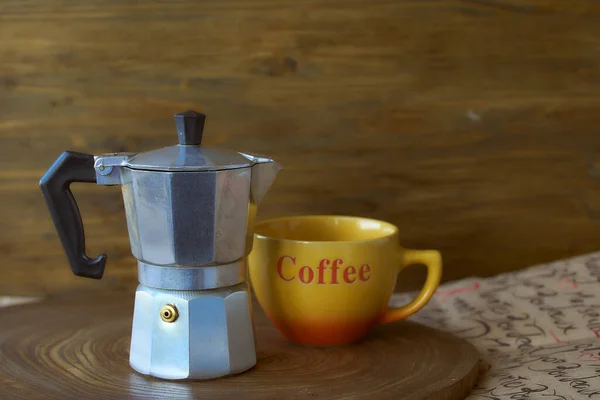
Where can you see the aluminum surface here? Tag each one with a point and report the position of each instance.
(188, 158)
(212, 337)
(190, 212)
(192, 278)
(189, 218)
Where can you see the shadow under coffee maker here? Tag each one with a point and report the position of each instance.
(190, 213)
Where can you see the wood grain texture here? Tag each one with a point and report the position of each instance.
(77, 347)
(470, 124)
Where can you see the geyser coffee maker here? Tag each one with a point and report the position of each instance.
(190, 213)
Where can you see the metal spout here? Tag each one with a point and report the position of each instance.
(264, 173)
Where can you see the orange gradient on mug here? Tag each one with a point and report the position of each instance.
(326, 280)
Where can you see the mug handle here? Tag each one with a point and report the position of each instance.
(432, 259)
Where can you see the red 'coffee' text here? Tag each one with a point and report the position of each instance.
(327, 272)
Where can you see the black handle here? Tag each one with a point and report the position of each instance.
(55, 184)
(190, 126)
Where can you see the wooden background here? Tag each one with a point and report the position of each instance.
(473, 125)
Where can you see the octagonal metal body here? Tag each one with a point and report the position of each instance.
(212, 336)
(191, 218)
(190, 213)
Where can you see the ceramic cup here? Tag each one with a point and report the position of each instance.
(325, 280)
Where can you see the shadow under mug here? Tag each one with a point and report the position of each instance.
(325, 280)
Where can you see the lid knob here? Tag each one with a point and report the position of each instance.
(190, 125)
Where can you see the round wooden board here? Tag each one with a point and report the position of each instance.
(77, 347)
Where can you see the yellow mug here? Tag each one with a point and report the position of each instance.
(325, 280)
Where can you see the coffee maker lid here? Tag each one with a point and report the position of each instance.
(189, 155)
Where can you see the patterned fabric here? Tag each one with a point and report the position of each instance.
(537, 329)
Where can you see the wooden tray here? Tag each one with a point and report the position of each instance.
(77, 347)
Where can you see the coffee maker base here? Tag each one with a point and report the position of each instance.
(192, 334)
